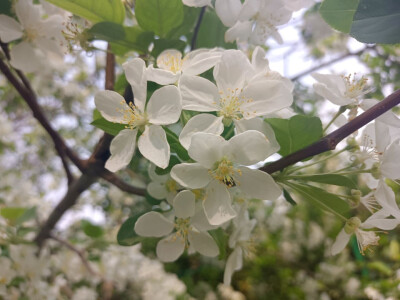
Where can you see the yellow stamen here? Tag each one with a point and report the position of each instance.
(224, 171)
(231, 102)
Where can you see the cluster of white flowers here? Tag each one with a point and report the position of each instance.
(379, 153)
(203, 190)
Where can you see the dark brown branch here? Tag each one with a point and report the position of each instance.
(121, 184)
(74, 190)
(197, 28)
(330, 141)
(335, 60)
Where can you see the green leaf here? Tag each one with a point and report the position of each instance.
(122, 39)
(333, 179)
(319, 197)
(108, 127)
(296, 133)
(126, 235)
(91, 230)
(12, 213)
(377, 22)
(339, 13)
(212, 32)
(175, 146)
(5, 7)
(151, 200)
(221, 238)
(190, 16)
(94, 10)
(159, 16)
(28, 215)
(172, 162)
(288, 197)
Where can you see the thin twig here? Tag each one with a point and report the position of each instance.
(330, 141)
(197, 28)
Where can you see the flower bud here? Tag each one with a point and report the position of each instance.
(351, 225)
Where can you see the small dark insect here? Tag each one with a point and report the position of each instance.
(228, 181)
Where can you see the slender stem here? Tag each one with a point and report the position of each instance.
(333, 120)
(330, 141)
(197, 28)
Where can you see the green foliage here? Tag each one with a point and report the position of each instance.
(368, 21)
(108, 127)
(91, 230)
(176, 147)
(123, 39)
(172, 162)
(18, 215)
(159, 16)
(5, 7)
(333, 179)
(288, 197)
(162, 44)
(321, 198)
(94, 10)
(126, 235)
(190, 16)
(295, 133)
(221, 238)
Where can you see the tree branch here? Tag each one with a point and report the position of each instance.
(335, 60)
(197, 28)
(330, 141)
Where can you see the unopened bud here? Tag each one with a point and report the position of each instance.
(351, 225)
(375, 170)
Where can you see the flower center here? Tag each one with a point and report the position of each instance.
(171, 185)
(31, 34)
(355, 87)
(231, 102)
(132, 117)
(182, 227)
(171, 62)
(224, 171)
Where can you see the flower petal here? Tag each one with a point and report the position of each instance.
(193, 176)
(111, 106)
(170, 248)
(239, 32)
(388, 117)
(384, 195)
(10, 29)
(161, 76)
(200, 62)
(390, 166)
(153, 224)
(122, 148)
(228, 11)
(203, 243)
(207, 148)
(340, 243)
(157, 190)
(249, 147)
(154, 146)
(206, 123)
(267, 96)
(164, 106)
(217, 204)
(258, 184)
(184, 204)
(233, 263)
(198, 93)
(26, 58)
(135, 72)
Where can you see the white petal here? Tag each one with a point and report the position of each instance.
(157, 190)
(341, 241)
(233, 263)
(240, 32)
(193, 176)
(26, 58)
(390, 166)
(228, 11)
(231, 76)
(122, 148)
(184, 204)
(164, 106)
(135, 72)
(261, 126)
(217, 204)
(382, 136)
(10, 29)
(385, 197)
(206, 123)
(111, 106)
(331, 87)
(258, 184)
(161, 76)
(198, 93)
(259, 61)
(249, 147)
(153, 224)
(249, 9)
(200, 62)
(203, 243)
(170, 248)
(200, 221)
(388, 117)
(207, 148)
(267, 96)
(196, 3)
(28, 13)
(154, 146)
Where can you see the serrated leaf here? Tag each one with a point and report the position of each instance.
(322, 199)
(377, 22)
(333, 179)
(339, 13)
(94, 10)
(221, 239)
(159, 16)
(296, 133)
(108, 127)
(126, 235)
(91, 230)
